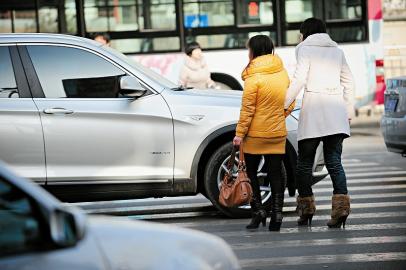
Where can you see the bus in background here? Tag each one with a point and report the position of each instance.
(154, 32)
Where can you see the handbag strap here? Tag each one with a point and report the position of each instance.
(230, 163)
(242, 159)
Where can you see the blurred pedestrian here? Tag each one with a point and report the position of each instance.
(261, 126)
(327, 109)
(103, 38)
(195, 72)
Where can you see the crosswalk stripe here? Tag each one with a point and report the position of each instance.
(147, 208)
(313, 229)
(361, 154)
(372, 187)
(350, 160)
(373, 169)
(353, 181)
(353, 197)
(319, 242)
(360, 164)
(355, 205)
(375, 173)
(243, 222)
(325, 259)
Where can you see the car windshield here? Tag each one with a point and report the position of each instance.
(146, 71)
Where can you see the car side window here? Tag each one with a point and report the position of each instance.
(20, 225)
(8, 85)
(66, 72)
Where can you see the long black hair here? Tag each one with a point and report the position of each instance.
(260, 45)
(312, 26)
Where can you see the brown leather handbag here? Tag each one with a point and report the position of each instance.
(236, 192)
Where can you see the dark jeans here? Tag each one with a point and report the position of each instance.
(332, 149)
(273, 165)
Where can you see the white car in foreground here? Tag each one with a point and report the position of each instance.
(38, 232)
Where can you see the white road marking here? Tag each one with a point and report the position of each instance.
(320, 242)
(325, 259)
(317, 229)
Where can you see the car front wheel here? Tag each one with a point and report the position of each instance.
(214, 174)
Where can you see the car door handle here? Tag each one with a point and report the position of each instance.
(57, 111)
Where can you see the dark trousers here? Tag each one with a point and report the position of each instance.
(273, 165)
(332, 149)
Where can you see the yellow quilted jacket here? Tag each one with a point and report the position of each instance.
(262, 111)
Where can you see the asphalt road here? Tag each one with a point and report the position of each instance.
(374, 238)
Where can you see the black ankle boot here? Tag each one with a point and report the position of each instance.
(276, 215)
(257, 218)
(258, 214)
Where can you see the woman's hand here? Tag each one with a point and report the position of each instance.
(237, 141)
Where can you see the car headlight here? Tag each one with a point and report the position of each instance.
(296, 114)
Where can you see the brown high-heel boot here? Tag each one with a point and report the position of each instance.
(340, 209)
(306, 209)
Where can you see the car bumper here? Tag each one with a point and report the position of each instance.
(394, 133)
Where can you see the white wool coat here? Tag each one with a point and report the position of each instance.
(323, 72)
(195, 73)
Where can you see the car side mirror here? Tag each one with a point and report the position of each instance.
(67, 226)
(130, 87)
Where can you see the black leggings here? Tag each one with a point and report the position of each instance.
(273, 165)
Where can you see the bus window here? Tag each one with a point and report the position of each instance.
(292, 37)
(58, 16)
(347, 33)
(254, 12)
(48, 19)
(24, 21)
(300, 10)
(103, 16)
(208, 13)
(229, 41)
(343, 9)
(129, 15)
(156, 14)
(141, 45)
(5, 21)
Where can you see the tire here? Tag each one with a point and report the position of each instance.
(225, 81)
(211, 183)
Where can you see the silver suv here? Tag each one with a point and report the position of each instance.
(87, 123)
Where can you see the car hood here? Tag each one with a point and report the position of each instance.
(204, 99)
(130, 244)
(215, 93)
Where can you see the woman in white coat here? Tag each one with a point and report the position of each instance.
(195, 72)
(327, 107)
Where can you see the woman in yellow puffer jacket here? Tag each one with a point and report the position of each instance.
(262, 125)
